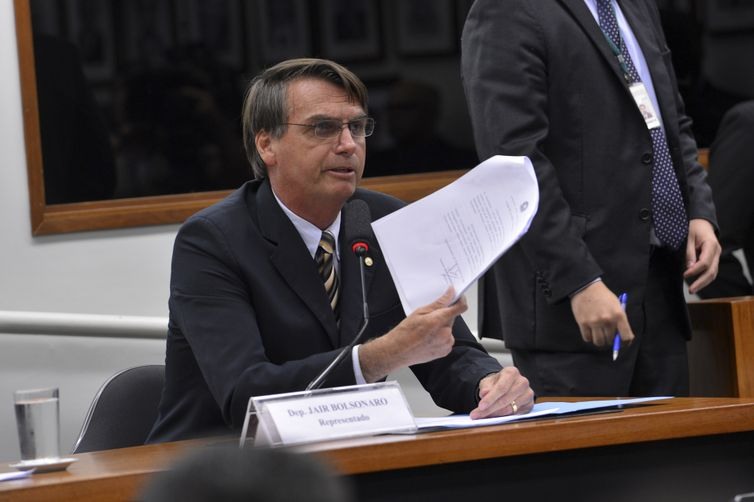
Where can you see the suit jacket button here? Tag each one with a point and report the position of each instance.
(646, 158)
(547, 292)
(644, 214)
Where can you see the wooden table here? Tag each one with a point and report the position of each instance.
(721, 351)
(680, 449)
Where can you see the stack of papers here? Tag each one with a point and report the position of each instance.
(451, 237)
(539, 410)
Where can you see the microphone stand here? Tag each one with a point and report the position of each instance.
(360, 249)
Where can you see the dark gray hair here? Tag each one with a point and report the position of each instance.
(265, 106)
(227, 473)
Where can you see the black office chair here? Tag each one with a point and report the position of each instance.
(123, 411)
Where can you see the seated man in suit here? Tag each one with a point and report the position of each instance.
(250, 314)
(731, 176)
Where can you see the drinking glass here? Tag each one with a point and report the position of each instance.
(38, 420)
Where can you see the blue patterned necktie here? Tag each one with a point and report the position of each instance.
(325, 259)
(668, 211)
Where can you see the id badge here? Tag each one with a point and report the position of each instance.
(641, 97)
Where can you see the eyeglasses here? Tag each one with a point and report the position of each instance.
(330, 128)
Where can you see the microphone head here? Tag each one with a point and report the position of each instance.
(360, 248)
(357, 223)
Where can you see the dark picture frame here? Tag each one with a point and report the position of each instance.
(149, 31)
(350, 30)
(51, 20)
(215, 25)
(284, 29)
(90, 27)
(426, 27)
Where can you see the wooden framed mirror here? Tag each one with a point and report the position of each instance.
(49, 217)
(384, 54)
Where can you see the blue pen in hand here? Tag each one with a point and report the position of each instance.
(623, 298)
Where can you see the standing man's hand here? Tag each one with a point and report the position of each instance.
(702, 254)
(599, 314)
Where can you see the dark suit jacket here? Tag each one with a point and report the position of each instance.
(731, 176)
(541, 81)
(249, 316)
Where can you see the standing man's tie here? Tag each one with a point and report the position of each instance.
(668, 211)
(325, 258)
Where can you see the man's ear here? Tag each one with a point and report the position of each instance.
(265, 147)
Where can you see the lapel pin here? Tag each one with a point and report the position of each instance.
(368, 261)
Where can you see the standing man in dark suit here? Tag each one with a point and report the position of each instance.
(250, 312)
(624, 205)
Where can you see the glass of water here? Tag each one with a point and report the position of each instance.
(38, 420)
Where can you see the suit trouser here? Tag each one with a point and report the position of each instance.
(656, 363)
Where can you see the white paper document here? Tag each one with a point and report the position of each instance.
(551, 408)
(452, 236)
(464, 421)
(573, 407)
(9, 476)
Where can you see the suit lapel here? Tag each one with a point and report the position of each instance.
(293, 261)
(645, 34)
(585, 19)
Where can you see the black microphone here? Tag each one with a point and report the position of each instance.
(357, 224)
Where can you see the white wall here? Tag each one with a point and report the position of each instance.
(77, 365)
(121, 272)
(115, 272)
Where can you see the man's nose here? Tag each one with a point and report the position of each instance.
(346, 140)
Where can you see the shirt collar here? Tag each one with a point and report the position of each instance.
(311, 234)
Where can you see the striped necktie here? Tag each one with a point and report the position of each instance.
(325, 260)
(668, 210)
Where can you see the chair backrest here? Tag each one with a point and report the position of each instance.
(123, 411)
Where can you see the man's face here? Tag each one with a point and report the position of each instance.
(315, 176)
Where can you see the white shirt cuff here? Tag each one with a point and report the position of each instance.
(356, 366)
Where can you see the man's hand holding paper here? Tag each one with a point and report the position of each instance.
(425, 335)
(451, 237)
